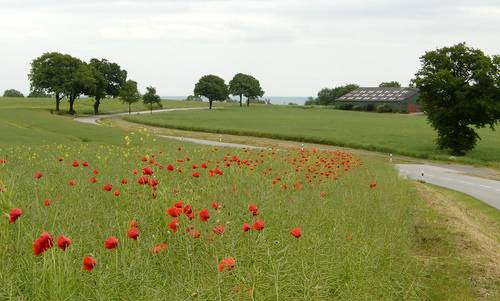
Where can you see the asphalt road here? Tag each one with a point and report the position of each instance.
(448, 176)
(483, 189)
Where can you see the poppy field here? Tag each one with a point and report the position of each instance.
(149, 220)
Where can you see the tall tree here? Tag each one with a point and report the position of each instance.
(82, 80)
(109, 80)
(392, 84)
(459, 89)
(129, 93)
(151, 98)
(212, 87)
(50, 73)
(245, 85)
(12, 93)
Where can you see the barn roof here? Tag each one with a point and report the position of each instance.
(379, 94)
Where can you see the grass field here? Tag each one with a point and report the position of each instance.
(392, 133)
(358, 240)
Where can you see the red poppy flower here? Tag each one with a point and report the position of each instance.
(147, 171)
(194, 166)
(14, 214)
(215, 205)
(194, 233)
(159, 247)
(46, 202)
(88, 263)
(71, 183)
(373, 185)
(111, 243)
(258, 225)
(92, 180)
(133, 233)
(203, 165)
(173, 225)
(107, 187)
(174, 211)
(246, 227)
(179, 204)
(38, 174)
(190, 215)
(196, 174)
(63, 242)
(134, 171)
(153, 182)
(226, 264)
(170, 167)
(296, 232)
(188, 209)
(219, 229)
(75, 163)
(143, 180)
(95, 172)
(133, 224)
(253, 208)
(124, 181)
(85, 163)
(43, 243)
(117, 192)
(204, 215)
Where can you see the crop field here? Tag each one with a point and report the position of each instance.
(392, 133)
(98, 213)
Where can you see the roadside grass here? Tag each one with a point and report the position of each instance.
(458, 242)
(407, 135)
(356, 241)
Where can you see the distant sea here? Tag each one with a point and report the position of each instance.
(277, 100)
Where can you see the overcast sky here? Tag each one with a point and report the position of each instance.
(294, 47)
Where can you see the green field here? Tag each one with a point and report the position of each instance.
(357, 242)
(392, 133)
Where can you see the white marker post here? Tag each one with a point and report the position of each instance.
(390, 158)
(422, 176)
(220, 138)
(302, 147)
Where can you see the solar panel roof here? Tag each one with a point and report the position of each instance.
(379, 94)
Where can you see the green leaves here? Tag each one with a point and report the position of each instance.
(212, 87)
(245, 85)
(459, 89)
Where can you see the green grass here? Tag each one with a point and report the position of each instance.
(392, 133)
(271, 264)
(84, 106)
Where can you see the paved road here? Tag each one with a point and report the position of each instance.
(212, 143)
(482, 189)
(92, 119)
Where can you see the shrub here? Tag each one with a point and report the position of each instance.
(384, 108)
(359, 108)
(345, 106)
(12, 93)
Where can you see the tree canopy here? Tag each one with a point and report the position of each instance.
(459, 90)
(212, 87)
(245, 85)
(82, 80)
(12, 93)
(129, 93)
(150, 98)
(327, 96)
(50, 73)
(109, 78)
(391, 84)
(39, 94)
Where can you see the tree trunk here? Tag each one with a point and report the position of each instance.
(210, 104)
(58, 101)
(248, 101)
(96, 106)
(241, 98)
(71, 102)
(129, 109)
(151, 106)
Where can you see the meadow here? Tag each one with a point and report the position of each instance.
(402, 134)
(97, 213)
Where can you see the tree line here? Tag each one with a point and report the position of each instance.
(214, 88)
(65, 76)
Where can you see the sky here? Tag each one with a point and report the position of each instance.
(294, 47)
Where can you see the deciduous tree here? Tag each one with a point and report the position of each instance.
(212, 87)
(12, 93)
(129, 93)
(150, 98)
(459, 90)
(392, 84)
(245, 85)
(109, 80)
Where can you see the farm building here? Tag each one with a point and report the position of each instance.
(399, 99)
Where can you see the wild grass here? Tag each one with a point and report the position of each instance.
(391, 133)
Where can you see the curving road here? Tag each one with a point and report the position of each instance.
(450, 176)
